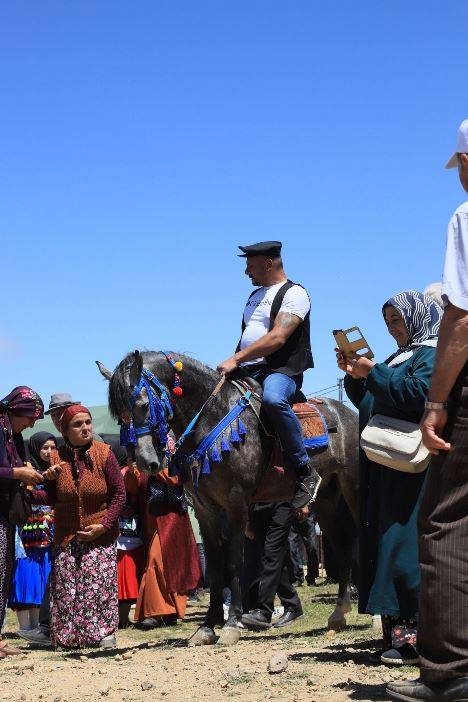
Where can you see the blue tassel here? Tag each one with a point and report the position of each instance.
(241, 428)
(235, 438)
(215, 455)
(206, 470)
(225, 445)
(127, 434)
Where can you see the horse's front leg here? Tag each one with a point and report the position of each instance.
(210, 527)
(237, 520)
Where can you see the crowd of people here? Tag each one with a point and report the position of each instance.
(83, 538)
(84, 535)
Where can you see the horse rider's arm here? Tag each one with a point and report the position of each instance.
(285, 324)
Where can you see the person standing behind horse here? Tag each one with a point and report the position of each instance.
(390, 499)
(274, 349)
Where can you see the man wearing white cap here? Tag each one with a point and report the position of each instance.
(443, 519)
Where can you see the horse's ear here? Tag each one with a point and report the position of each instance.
(104, 371)
(136, 367)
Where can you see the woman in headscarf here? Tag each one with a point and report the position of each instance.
(88, 494)
(390, 500)
(32, 570)
(18, 411)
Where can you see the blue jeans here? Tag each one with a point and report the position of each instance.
(278, 396)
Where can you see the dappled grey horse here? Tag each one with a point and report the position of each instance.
(143, 379)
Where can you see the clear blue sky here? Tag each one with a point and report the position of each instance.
(141, 142)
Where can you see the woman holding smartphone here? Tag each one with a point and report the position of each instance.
(390, 499)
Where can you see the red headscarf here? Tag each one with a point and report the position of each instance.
(68, 415)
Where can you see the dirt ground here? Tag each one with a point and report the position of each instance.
(158, 665)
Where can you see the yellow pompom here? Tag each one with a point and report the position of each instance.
(178, 365)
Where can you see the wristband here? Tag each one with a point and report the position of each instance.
(438, 406)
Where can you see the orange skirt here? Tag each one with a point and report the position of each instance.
(153, 598)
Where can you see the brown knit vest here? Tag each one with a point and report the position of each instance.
(81, 503)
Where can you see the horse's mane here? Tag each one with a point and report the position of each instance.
(119, 394)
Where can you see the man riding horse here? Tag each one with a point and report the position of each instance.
(274, 349)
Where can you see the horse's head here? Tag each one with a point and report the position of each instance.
(139, 401)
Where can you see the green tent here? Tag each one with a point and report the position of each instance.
(102, 423)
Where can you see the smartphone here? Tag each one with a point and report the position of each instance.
(352, 341)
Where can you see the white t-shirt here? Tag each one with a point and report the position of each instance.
(455, 278)
(258, 308)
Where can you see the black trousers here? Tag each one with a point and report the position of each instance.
(304, 532)
(267, 559)
(443, 551)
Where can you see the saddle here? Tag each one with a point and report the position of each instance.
(278, 481)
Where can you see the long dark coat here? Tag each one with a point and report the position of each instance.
(389, 499)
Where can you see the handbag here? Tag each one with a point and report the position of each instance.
(164, 498)
(20, 508)
(395, 443)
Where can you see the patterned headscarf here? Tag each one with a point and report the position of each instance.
(422, 316)
(23, 402)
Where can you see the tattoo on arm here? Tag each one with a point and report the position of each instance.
(287, 320)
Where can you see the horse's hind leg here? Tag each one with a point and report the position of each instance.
(210, 527)
(237, 520)
(334, 524)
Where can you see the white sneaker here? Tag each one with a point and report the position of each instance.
(108, 642)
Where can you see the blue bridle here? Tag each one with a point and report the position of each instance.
(160, 409)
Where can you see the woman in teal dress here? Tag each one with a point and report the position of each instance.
(389, 499)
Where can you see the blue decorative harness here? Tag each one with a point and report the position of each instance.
(160, 413)
(208, 450)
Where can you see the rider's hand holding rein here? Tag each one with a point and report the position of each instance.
(229, 366)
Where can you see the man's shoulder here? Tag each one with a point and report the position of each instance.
(461, 211)
(297, 289)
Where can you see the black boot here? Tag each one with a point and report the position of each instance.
(307, 485)
(256, 620)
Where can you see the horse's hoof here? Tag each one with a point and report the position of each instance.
(336, 623)
(204, 636)
(229, 636)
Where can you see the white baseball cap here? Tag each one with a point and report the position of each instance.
(462, 144)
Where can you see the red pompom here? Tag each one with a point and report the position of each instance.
(178, 391)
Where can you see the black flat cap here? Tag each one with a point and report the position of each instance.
(263, 248)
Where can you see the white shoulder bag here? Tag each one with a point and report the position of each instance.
(395, 443)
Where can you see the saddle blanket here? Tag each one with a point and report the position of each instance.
(277, 484)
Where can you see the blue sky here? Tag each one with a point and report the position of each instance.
(142, 142)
